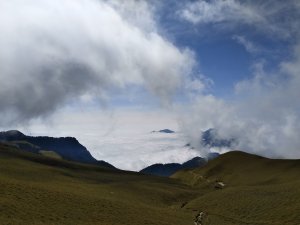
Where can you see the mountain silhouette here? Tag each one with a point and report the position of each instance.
(67, 147)
(166, 170)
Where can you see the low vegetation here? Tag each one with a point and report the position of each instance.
(257, 190)
(50, 154)
(40, 190)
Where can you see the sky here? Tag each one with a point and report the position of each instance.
(110, 71)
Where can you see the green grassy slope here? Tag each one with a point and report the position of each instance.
(257, 191)
(40, 190)
(50, 154)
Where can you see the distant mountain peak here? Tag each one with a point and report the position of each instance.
(166, 131)
(211, 138)
(11, 134)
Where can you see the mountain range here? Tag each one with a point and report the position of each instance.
(69, 148)
(66, 147)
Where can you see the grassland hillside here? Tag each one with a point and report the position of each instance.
(37, 190)
(257, 190)
(43, 190)
(50, 154)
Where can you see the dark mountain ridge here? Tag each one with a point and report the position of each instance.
(67, 147)
(166, 170)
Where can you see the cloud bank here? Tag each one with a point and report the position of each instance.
(55, 51)
(122, 137)
(263, 116)
(264, 113)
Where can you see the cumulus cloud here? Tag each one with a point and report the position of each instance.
(263, 117)
(53, 51)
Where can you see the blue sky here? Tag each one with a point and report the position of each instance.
(220, 55)
(226, 50)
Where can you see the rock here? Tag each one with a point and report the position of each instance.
(200, 217)
(219, 185)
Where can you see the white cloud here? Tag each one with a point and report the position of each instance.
(248, 45)
(53, 51)
(264, 116)
(264, 16)
(217, 11)
(121, 137)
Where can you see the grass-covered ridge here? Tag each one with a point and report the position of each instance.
(37, 190)
(257, 190)
(41, 190)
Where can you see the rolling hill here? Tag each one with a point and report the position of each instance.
(40, 190)
(257, 190)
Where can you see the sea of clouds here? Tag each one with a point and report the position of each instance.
(60, 52)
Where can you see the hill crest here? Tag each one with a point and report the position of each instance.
(241, 168)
